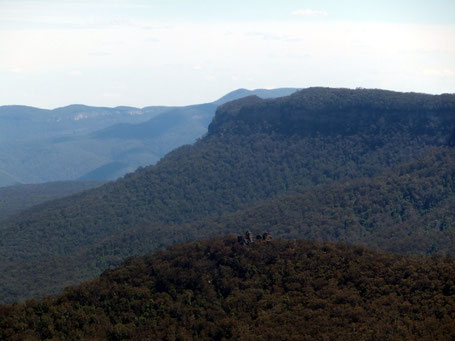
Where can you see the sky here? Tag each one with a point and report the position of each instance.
(140, 53)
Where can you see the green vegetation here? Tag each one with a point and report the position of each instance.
(366, 166)
(14, 199)
(409, 209)
(218, 289)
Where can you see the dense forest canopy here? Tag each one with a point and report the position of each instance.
(326, 111)
(258, 151)
(14, 199)
(220, 289)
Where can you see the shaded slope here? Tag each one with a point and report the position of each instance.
(408, 210)
(328, 112)
(218, 289)
(110, 170)
(17, 198)
(242, 161)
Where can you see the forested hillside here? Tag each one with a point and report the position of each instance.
(344, 142)
(409, 209)
(219, 289)
(17, 198)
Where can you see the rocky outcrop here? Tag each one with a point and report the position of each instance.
(248, 238)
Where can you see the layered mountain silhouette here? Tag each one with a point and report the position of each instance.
(367, 166)
(98, 143)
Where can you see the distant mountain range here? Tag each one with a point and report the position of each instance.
(360, 166)
(98, 143)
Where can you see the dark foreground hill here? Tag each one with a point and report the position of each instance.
(256, 150)
(219, 289)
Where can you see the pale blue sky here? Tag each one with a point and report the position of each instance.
(175, 52)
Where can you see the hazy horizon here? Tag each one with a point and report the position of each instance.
(145, 53)
(210, 101)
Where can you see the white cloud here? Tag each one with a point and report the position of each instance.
(309, 13)
(111, 95)
(198, 60)
(99, 54)
(440, 72)
(75, 73)
(16, 70)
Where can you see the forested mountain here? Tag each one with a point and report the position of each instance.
(350, 144)
(98, 143)
(219, 289)
(19, 197)
(409, 209)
